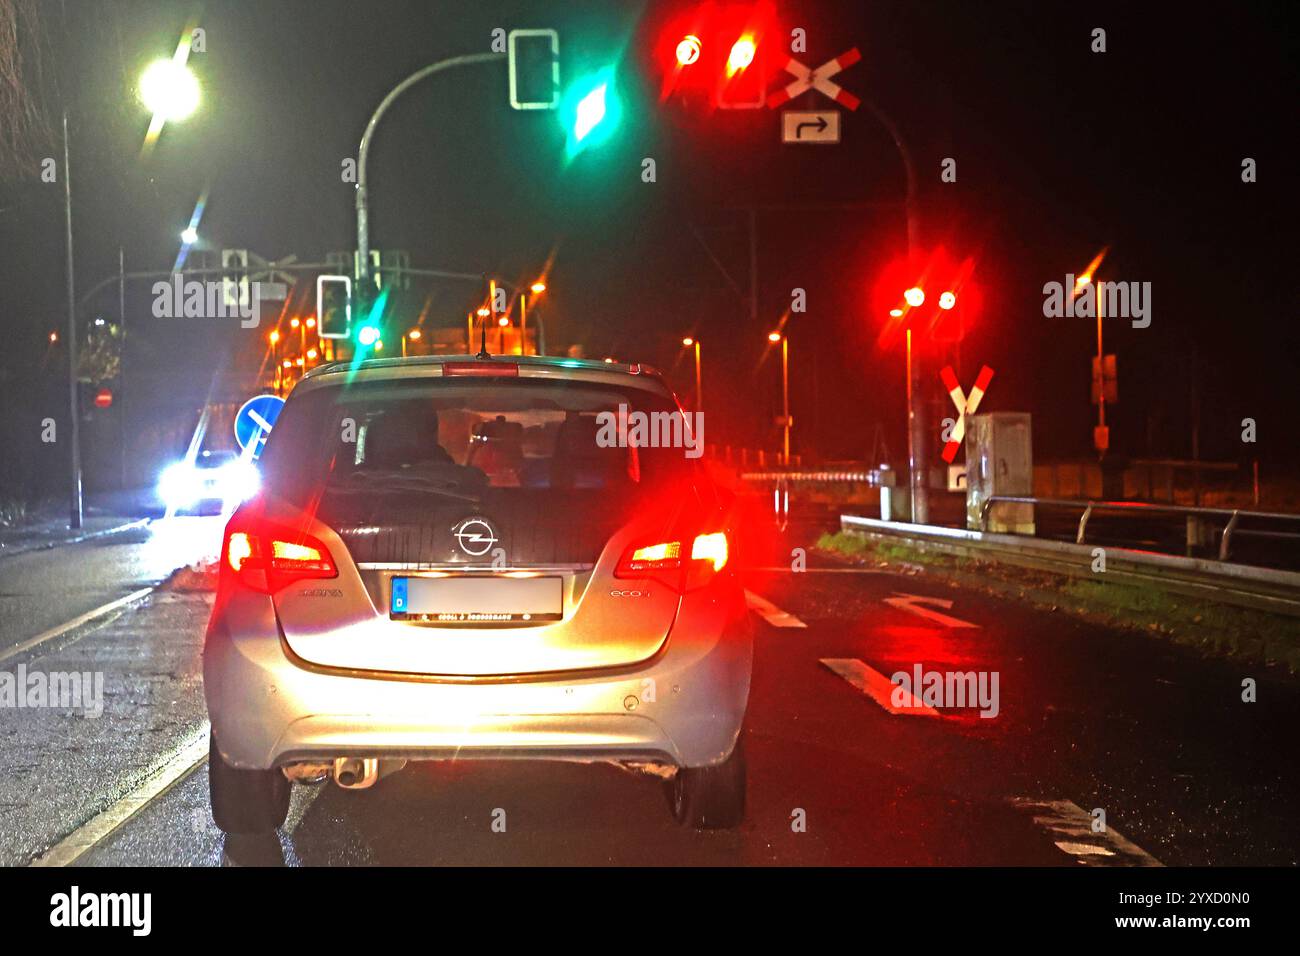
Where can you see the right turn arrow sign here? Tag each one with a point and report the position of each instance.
(806, 126)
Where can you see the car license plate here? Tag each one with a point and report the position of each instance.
(474, 599)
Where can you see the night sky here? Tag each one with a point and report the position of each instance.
(1060, 151)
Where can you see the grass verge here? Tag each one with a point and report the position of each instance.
(1215, 630)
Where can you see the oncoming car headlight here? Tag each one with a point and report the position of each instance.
(179, 485)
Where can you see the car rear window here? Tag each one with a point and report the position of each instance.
(408, 441)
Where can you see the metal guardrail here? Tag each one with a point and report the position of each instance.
(1232, 516)
(1265, 589)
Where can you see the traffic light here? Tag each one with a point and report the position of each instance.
(722, 53)
(334, 306)
(370, 334)
(534, 61)
(234, 280)
(590, 110)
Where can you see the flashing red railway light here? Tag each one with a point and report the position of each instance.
(742, 55)
(717, 53)
(688, 50)
(931, 293)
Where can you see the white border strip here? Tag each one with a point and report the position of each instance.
(67, 851)
(75, 623)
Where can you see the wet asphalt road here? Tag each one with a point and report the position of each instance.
(1088, 719)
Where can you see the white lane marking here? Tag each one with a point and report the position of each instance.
(878, 687)
(914, 602)
(770, 612)
(75, 623)
(70, 849)
(1066, 819)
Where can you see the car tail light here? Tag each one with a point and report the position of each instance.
(483, 368)
(668, 561)
(267, 557)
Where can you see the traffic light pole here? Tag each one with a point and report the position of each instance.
(363, 153)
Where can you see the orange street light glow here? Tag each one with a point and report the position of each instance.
(482, 312)
(538, 287)
(896, 313)
(275, 337)
(688, 341)
(294, 323)
(914, 296)
(774, 336)
(413, 335)
(311, 323)
(947, 300)
(503, 321)
(312, 353)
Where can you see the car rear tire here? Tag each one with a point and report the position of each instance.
(245, 801)
(710, 798)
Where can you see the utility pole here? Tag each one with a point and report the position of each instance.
(121, 360)
(785, 397)
(74, 405)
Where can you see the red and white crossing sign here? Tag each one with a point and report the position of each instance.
(966, 405)
(819, 79)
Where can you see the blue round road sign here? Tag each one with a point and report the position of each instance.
(254, 421)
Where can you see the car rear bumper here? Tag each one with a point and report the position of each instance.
(684, 706)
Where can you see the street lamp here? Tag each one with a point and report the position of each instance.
(689, 342)
(414, 335)
(189, 235)
(169, 90)
(785, 393)
(537, 288)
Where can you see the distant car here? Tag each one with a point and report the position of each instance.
(214, 477)
(450, 559)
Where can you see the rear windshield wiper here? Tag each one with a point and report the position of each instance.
(394, 481)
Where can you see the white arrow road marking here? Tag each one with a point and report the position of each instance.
(770, 612)
(878, 687)
(76, 622)
(913, 602)
(94, 831)
(1066, 819)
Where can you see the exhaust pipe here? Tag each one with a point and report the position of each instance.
(356, 773)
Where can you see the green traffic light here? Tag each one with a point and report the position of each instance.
(590, 110)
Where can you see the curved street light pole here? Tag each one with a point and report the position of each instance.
(916, 437)
(363, 198)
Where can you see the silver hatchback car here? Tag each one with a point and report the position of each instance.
(461, 557)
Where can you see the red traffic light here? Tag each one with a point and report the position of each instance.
(103, 398)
